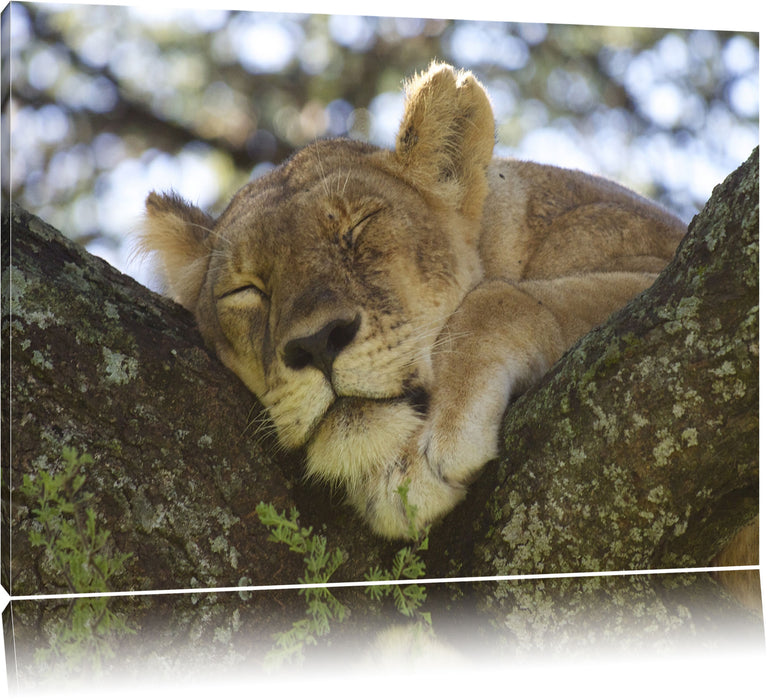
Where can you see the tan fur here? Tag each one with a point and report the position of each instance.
(385, 305)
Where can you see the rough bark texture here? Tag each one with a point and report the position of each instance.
(639, 450)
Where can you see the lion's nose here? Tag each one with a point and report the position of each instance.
(322, 347)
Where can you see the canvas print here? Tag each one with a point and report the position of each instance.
(366, 342)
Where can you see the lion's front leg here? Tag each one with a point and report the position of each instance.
(498, 343)
(481, 358)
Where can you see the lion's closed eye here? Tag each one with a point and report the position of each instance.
(354, 230)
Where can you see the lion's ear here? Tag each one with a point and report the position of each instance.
(178, 235)
(446, 138)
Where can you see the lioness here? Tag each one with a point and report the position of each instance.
(385, 305)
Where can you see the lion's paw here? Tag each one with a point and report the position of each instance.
(457, 445)
(427, 498)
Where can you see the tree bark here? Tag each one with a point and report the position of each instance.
(639, 449)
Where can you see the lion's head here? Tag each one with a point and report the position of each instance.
(325, 284)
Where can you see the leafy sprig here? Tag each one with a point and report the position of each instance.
(320, 563)
(407, 564)
(68, 527)
(69, 531)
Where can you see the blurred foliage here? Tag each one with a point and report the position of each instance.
(109, 102)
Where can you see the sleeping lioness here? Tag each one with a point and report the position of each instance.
(385, 305)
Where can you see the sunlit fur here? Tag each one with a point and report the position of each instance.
(464, 276)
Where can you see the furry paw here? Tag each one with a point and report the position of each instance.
(458, 441)
(428, 497)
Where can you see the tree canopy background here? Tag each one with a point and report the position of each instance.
(110, 102)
